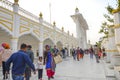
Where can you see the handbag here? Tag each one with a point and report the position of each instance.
(57, 59)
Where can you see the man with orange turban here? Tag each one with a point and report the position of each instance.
(5, 53)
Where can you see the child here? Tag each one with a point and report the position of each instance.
(39, 66)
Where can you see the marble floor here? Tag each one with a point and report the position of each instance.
(85, 69)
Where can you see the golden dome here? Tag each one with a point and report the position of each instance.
(41, 15)
(54, 23)
(16, 1)
(76, 10)
(62, 28)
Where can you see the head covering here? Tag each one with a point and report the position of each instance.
(6, 45)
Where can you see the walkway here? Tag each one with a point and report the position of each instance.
(85, 69)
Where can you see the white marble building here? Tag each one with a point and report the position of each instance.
(20, 26)
(81, 28)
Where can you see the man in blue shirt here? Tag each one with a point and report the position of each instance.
(19, 60)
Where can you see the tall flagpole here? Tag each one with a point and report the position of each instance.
(50, 10)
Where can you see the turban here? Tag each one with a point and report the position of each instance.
(6, 45)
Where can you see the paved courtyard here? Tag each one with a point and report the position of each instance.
(85, 69)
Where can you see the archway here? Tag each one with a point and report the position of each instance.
(29, 39)
(59, 45)
(4, 36)
(48, 41)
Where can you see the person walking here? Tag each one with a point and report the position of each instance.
(100, 53)
(48, 60)
(78, 53)
(63, 52)
(103, 52)
(96, 50)
(55, 50)
(5, 54)
(28, 69)
(19, 60)
(74, 54)
(39, 66)
(91, 52)
(81, 53)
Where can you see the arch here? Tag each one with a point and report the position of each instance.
(48, 41)
(29, 32)
(59, 45)
(5, 28)
(5, 36)
(29, 39)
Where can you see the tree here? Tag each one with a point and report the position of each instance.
(109, 22)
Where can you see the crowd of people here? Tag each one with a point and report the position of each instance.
(23, 60)
(92, 51)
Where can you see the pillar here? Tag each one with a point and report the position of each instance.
(14, 44)
(16, 26)
(40, 49)
(41, 35)
(117, 29)
(55, 36)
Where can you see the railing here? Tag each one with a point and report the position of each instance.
(6, 4)
(27, 14)
(59, 30)
(48, 24)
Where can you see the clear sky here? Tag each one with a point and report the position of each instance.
(61, 10)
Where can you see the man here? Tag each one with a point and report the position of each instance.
(96, 53)
(19, 60)
(55, 51)
(28, 69)
(63, 52)
(5, 54)
(74, 54)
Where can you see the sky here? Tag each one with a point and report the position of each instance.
(61, 10)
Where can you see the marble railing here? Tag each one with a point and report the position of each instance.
(27, 14)
(6, 4)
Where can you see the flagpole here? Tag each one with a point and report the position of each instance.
(50, 10)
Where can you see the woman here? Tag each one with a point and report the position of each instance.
(100, 53)
(48, 60)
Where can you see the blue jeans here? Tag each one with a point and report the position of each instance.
(17, 77)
